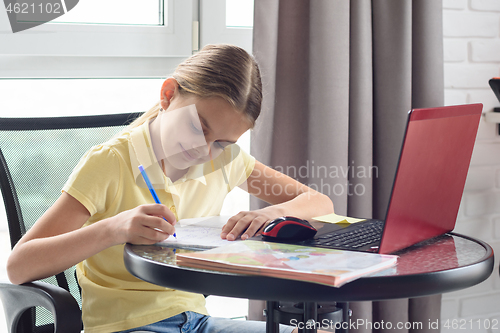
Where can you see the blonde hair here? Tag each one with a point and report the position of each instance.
(219, 70)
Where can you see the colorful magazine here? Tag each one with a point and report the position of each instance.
(319, 265)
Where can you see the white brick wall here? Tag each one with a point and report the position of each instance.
(472, 56)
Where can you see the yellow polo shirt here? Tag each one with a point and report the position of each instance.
(106, 181)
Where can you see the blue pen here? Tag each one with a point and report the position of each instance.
(150, 186)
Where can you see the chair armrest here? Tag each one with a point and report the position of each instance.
(17, 299)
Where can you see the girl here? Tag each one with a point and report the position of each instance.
(186, 144)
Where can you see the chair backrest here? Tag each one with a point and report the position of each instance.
(37, 155)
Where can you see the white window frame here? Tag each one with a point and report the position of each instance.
(213, 28)
(60, 39)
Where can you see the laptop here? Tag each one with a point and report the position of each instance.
(428, 185)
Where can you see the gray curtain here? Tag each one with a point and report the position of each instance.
(339, 77)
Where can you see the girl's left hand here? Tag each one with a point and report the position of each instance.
(247, 224)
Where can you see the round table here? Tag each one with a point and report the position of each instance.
(442, 264)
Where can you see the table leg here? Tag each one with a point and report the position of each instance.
(272, 326)
(310, 317)
(345, 317)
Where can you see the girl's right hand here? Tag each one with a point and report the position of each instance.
(145, 224)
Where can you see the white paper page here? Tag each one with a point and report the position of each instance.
(198, 233)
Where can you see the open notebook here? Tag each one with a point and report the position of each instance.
(198, 233)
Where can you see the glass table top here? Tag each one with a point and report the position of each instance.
(445, 252)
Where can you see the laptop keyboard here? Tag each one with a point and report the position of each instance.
(353, 237)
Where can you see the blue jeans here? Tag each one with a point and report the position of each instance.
(193, 322)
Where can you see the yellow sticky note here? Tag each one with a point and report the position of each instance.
(334, 218)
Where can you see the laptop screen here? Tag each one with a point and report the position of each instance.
(431, 174)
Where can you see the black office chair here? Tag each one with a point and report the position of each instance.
(36, 157)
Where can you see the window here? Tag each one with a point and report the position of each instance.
(229, 21)
(239, 13)
(70, 97)
(172, 38)
(226, 21)
(78, 68)
(128, 12)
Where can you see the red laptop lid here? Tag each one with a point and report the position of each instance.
(431, 174)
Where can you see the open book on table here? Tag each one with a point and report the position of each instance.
(203, 233)
(325, 266)
(198, 233)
